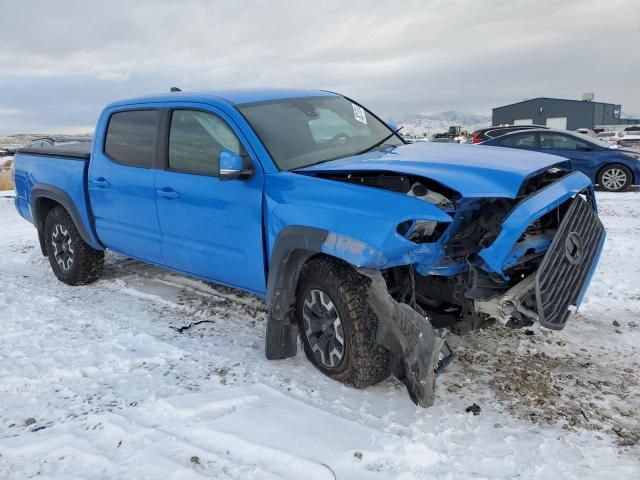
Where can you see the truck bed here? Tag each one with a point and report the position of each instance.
(81, 150)
(58, 172)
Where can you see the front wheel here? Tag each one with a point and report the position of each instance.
(71, 259)
(337, 326)
(615, 178)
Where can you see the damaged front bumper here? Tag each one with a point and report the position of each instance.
(554, 292)
(549, 295)
(497, 256)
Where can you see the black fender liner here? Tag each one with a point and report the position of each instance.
(409, 336)
(294, 246)
(45, 191)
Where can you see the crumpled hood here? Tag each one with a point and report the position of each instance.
(471, 170)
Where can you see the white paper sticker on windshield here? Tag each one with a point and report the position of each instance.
(359, 114)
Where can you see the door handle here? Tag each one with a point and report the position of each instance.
(101, 182)
(168, 193)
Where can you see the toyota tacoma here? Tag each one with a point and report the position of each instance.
(368, 248)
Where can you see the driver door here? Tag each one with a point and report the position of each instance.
(211, 228)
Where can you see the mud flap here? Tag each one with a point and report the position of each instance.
(410, 337)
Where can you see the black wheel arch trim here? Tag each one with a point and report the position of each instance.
(45, 191)
(293, 247)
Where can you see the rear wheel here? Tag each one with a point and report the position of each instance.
(615, 178)
(71, 259)
(337, 326)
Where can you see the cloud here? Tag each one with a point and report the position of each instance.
(416, 56)
(113, 76)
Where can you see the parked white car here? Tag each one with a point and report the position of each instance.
(609, 138)
(586, 131)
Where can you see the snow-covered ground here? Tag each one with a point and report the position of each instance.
(96, 382)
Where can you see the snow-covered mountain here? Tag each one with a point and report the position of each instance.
(425, 125)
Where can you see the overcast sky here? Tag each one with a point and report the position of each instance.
(61, 61)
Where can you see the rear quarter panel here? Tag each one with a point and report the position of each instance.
(68, 175)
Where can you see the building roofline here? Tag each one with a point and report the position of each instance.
(553, 98)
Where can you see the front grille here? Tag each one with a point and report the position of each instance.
(566, 265)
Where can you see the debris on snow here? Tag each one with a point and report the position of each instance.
(475, 409)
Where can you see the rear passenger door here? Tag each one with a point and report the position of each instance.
(211, 228)
(121, 184)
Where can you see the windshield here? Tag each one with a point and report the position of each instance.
(299, 132)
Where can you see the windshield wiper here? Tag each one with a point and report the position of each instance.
(375, 145)
(368, 149)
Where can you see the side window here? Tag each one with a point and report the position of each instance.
(523, 140)
(131, 137)
(196, 140)
(553, 141)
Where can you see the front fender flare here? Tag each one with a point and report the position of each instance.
(293, 247)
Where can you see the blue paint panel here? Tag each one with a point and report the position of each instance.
(496, 255)
(214, 229)
(123, 199)
(471, 171)
(230, 96)
(68, 175)
(363, 220)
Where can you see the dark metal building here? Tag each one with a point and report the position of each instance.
(560, 113)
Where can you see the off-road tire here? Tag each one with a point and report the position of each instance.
(613, 168)
(364, 362)
(87, 263)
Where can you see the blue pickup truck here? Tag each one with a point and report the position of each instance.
(367, 247)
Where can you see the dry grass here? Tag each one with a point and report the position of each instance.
(5, 179)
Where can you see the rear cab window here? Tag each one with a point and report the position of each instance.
(131, 137)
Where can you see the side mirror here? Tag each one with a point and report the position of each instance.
(232, 166)
(583, 147)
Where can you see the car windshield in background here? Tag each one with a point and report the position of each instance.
(299, 132)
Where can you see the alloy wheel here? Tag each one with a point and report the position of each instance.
(62, 248)
(323, 328)
(614, 179)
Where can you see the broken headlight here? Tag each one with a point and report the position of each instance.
(420, 231)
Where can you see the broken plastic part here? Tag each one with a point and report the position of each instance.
(409, 336)
(418, 190)
(511, 304)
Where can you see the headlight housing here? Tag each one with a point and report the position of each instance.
(421, 231)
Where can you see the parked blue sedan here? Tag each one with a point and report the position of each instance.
(614, 170)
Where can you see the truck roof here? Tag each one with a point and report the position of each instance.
(234, 96)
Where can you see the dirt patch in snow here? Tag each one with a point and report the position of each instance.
(538, 377)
